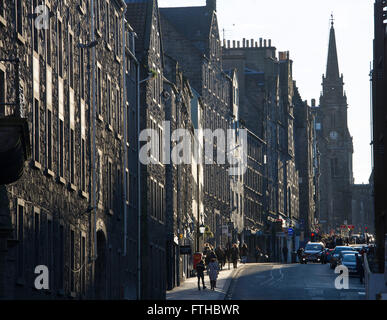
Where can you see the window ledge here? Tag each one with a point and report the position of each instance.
(72, 187)
(61, 180)
(118, 136)
(110, 212)
(83, 194)
(99, 118)
(81, 10)
(20, 38)
(118, 59)
(36, 165)
(3, 21)
(98, 33)
(108, 46)
(109, 127)
(49, 173)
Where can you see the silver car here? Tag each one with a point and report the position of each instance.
(349, 260)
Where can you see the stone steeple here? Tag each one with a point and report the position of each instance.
(332, 64)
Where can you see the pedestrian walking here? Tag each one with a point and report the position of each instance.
(234, 255)
(228, 254)
(300, 253)
(360, 267)
(213, 271)
(200, 273)
(244, 253)
(221, 256)
(258, 253)
(285, 251)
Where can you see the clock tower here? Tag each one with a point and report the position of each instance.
(335, 146)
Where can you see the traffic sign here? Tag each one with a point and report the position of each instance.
(290, 231)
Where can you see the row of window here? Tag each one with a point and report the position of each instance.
(216, 182)
(157, 198)
(216, 83)
(38, 233)
(254, 181)
(253, 210)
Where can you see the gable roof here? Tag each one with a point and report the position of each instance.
(139, 14)
(192, 22)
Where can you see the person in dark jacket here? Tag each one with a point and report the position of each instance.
(258, 253)
(244, 253)
(221, 257)
(200, 273)
(234, 255)
(300, 253)
(360, 267)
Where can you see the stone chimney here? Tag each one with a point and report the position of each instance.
(211, 5)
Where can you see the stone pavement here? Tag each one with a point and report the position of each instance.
(188, 290)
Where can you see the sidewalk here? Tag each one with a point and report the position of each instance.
(189, 289)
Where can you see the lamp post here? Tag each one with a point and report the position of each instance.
(200, 231)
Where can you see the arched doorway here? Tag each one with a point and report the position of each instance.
(100, 267)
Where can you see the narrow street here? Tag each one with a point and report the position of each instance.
(266, 281)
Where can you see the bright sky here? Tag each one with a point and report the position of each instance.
(302, 27)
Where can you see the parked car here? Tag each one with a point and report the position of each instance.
(313, 251)
(336, 252)
(349, 260)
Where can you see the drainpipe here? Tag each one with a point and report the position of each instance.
(94, 135)
(125, 132)
(139, 189)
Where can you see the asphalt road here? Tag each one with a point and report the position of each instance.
(266, 281)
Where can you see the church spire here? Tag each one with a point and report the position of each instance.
(332, 64)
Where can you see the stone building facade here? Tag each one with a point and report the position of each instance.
(50, 208)
(266, 107)
(191, 36)
(145, 18)
(180, 189)
(379, 101)
(335, 145)
(254, 195)
(305, 163)
(363, 212)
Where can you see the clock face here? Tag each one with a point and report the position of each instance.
(334, 135)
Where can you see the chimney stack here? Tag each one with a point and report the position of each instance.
(264, 43)
(313, 102)
(233, 44)
(270, 43)
(260, 42)
(252, 43)
(228, 43)
(238, 44)
(244, 42)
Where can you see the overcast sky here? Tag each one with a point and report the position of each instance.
(302, 27)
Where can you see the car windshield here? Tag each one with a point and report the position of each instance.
(313, 247)
(349, 258)
(343, 249)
